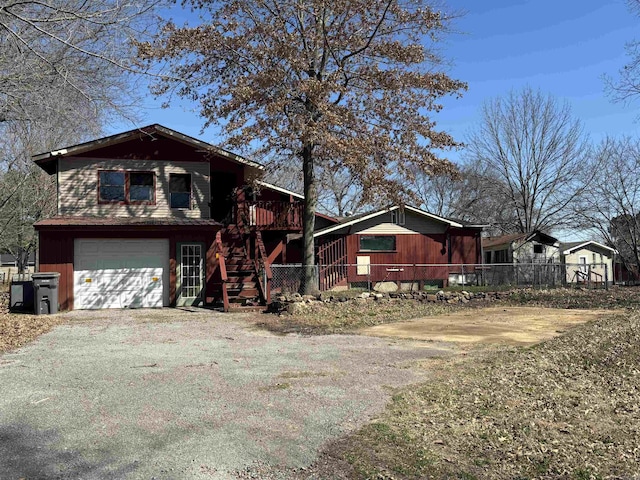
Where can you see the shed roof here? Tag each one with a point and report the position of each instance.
(568, 247)
(490, 242)
(348, 221)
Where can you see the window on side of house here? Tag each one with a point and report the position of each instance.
(398, 217)
(593, 258)
(538, 248)
(180, 190)
(377, 243)
(501, 256)
(118, 186)
(112, 186)
(141, 187)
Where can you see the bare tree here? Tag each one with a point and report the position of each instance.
(349, 80)
(473, 196)
(71, 56)
(27, 194)
(338, 194)
(529, 151)
(626, 86)
(611, 204)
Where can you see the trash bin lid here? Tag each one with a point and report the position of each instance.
(45, 275)
(20, 277)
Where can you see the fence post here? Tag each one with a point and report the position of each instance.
(606, 277)
(462, 271)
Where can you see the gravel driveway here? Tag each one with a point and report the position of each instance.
(176, 394)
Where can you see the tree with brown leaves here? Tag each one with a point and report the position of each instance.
(349, 82)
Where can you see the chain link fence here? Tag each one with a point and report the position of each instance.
(410, 277)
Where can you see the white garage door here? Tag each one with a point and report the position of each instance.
(121, 273)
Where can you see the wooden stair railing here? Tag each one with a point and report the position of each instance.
(263, 267)
(332, 259)
(219, 252)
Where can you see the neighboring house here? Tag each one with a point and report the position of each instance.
(8, 260)
(534, 247)
(401, 245)
(152, 218)
(587, 262)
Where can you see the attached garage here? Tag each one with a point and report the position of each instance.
(134, 263)
(120, 273)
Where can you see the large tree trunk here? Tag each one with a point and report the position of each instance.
(309, 280)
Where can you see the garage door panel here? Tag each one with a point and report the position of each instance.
(121, 274)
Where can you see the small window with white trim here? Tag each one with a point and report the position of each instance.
(397, 217)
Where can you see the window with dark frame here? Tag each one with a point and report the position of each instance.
(538, 248)
(380, 243)
(141, 186)
(116, 186)
(180, 190)
(112, 186)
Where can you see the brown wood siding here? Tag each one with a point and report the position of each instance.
(57, 252)
(464, 246)
(414, 249)
(56, 255)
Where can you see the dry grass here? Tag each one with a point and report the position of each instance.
(347, 317)
(16, 329)
(567, 408)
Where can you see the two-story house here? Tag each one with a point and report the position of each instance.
(152, 218)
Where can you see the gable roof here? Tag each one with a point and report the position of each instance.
(348, 221)
(42, 159)
(567, 247)
(489, 242)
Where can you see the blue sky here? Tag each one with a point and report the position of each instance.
(561, 47)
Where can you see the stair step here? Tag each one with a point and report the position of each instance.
(241, 279)
(241, 286)
(244, 294)
(240, 267)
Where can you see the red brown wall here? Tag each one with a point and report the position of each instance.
(56, 255)
(417, 249)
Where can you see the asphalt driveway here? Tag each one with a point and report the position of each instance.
(174, 394)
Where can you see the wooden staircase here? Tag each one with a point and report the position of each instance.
(242, 277)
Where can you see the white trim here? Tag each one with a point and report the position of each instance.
(431, 216)
(279, 189)
(590, 242)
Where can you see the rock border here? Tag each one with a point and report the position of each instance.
(294, 303)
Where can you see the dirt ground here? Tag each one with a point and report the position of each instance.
(493, 325)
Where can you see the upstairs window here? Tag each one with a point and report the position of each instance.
(397, 217)
(537, 248)
(117, 186)
(180, 190)
(112, 187)
(377, 243)
(141, 187)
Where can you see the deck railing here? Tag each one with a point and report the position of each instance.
(272, 215)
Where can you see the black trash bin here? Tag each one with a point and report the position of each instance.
(21, 293)
(46, 292)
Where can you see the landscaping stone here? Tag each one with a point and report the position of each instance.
(386, 287)
(295, 303)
